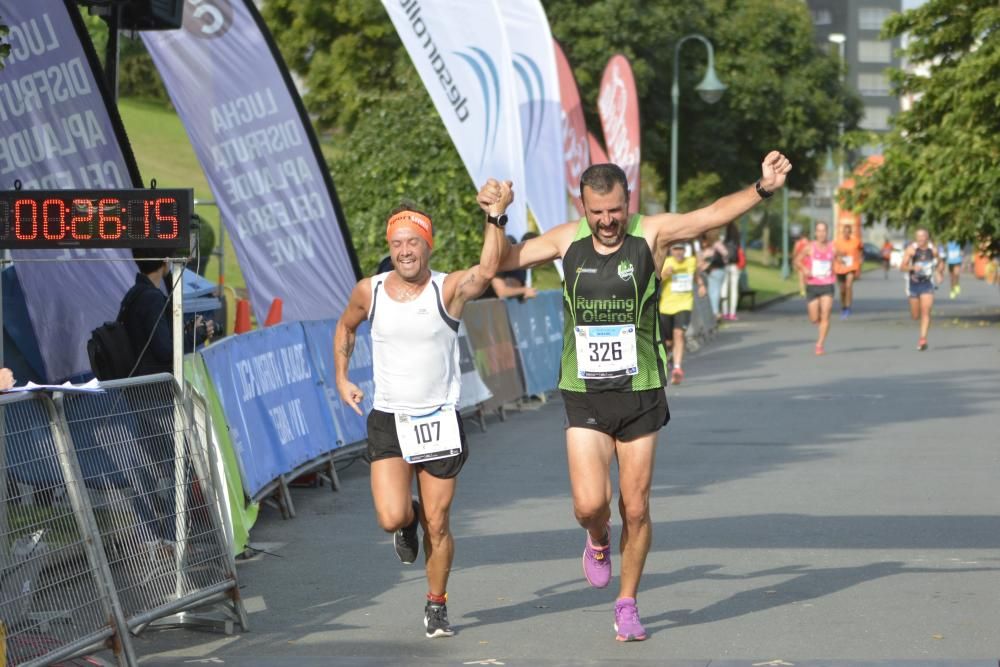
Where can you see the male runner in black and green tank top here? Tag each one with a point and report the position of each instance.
(613, 376)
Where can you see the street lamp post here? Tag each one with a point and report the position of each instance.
(710, 89)
(784, 234)
(840, 40)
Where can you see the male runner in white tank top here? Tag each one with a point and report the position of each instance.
(414, 428)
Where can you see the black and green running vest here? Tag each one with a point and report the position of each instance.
(615, 289)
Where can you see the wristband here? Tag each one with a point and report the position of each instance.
(761, 192)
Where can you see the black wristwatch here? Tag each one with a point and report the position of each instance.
(761, 192)
(498, 220)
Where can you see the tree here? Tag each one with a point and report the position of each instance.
(783, 92)
(4, 46)
(419, 164)
(942, 156)
(347, 52)
(388, 142)
(137, 75)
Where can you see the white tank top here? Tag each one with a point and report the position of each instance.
(414, 350)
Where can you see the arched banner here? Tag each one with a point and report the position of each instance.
(618, 105)
(576, 142)
(60, 129)
(597, 153)
(261, 157)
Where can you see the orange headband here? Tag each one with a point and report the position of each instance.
(419, 223)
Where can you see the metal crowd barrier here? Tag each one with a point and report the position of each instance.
(113, 522)
(703, 326)
(56, 600)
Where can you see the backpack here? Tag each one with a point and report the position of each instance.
(110, 349)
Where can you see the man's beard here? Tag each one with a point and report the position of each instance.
(616, 230)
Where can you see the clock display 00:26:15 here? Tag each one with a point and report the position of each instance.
(95, 219)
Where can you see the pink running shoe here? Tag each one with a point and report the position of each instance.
(627, 623)
(597, 562)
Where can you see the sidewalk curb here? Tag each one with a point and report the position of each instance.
(774, 301)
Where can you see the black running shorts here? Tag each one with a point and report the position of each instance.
(814, 292)
(383, 443)
(680, 320)
(624, 415)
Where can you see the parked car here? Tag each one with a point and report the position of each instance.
(872, 252)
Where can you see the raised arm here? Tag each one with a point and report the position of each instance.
(540, 250)
(800, 259)
(343, 342)
(461, 287)
(907, 262)
(505, 291)
(938, 264)
(672, 227)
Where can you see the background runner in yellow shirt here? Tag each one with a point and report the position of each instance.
(680, 276)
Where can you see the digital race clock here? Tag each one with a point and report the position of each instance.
(95, 218)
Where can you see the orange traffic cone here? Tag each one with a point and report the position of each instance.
(242, 317)
(274, 314)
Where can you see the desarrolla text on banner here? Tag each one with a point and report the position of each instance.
(259, 153)
(464, 60)
(58, 130)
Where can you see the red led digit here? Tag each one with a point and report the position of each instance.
(147, 207)
(84, 215)
(18, 219)
(172, 219)
(103, 219)
(60, 207)
(136, 211)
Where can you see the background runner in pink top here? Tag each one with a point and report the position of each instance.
(820, 263)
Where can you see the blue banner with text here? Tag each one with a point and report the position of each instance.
(350, 426)
(270, 390)
(538, 332)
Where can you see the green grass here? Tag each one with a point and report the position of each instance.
(767, 281)
(546, 277)
(163, 151)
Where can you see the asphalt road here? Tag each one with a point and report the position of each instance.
(806, 510)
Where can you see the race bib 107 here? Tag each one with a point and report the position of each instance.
(429, 437)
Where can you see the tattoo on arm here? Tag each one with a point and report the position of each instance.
(471, 276)
(348, 347)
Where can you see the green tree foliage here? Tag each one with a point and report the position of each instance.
(347, 52)
(942, 157)
(4, 46)
(783, 92)
(137, 75)
(417, 164)
(389, 145)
